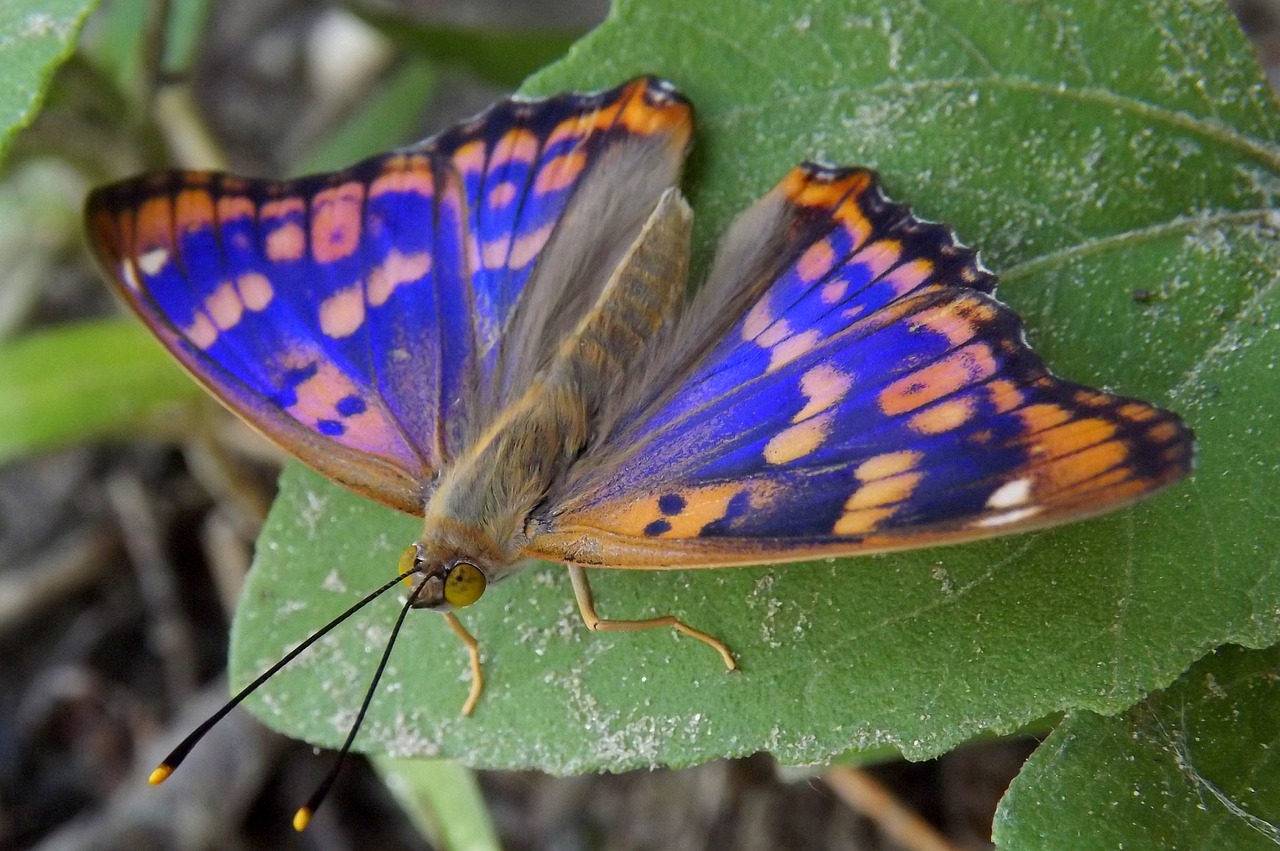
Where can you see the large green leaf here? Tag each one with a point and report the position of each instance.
(1092, 152)
(35, 36)
(1193, 767)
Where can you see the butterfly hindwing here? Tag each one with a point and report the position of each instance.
(869, 394)
(354, 317)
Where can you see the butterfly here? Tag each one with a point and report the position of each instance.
(489, 329)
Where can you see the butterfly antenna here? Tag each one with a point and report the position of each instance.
(303, 816)
(178, 754)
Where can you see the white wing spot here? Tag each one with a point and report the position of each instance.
(1010, 494)
(1009, 517)
(153, 261)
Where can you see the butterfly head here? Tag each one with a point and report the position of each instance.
(447, 584)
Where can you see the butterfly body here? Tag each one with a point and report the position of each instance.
(489, 330)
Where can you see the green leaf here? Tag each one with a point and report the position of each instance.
(87, 381)
(35, 37)
(1091, 151)
(443, 799)
(502, 58)
(1192, 767)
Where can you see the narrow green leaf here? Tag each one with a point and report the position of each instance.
(35, 37)
(384, 121)
(1192, 767)
(1091, 151)
(502, 58)
(83, 382)
(443, 799)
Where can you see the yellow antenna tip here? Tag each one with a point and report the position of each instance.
(301, 819)
(161, 774)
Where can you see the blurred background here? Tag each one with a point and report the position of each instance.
(121, 559)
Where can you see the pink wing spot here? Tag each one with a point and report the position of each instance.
(824, 386)
(193, 210)
(797, 441)
(816, 262)
(255, 290)
(394, 272)
(335, 222)
(560, 172)
(201, 332)
(527, 247)
(494, 254)
(286, 242)
(469, 158)
(342, 313)
(792, 348)
(502, 195)
(943, 377)
(777, 331)
(833, 292)
(1004, 395)
(908, 276)
(758, 318)
(879, 256)
(224, 306)
(944, 416)
(318, 399)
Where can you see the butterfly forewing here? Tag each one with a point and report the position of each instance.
(872, 395)
(354, 317)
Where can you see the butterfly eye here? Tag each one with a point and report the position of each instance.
(408, 561)
(464, 585)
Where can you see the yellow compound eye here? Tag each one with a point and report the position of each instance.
(408, 560)
(464, 585)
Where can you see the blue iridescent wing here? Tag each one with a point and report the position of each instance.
(847, 383)
(352, 316)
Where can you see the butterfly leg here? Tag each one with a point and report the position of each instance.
(587, 607)
(473, 647)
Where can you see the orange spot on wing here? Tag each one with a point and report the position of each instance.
(888, 464)
(470, 158)
(1064, 472)
(1073, 436)
(517, 145)
(560, 172)
(702, 506)
(944, 416)
(394, 272)
(336, 222)
(407, 174)
(883, 492)
(824, 385)
(862, 521)
(154, 225)
(956, 370)
(799, 440)
(290, 205)
(233, 207)
(193, 210)
(342, 313)
(1004, 395)
(1037, 418)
